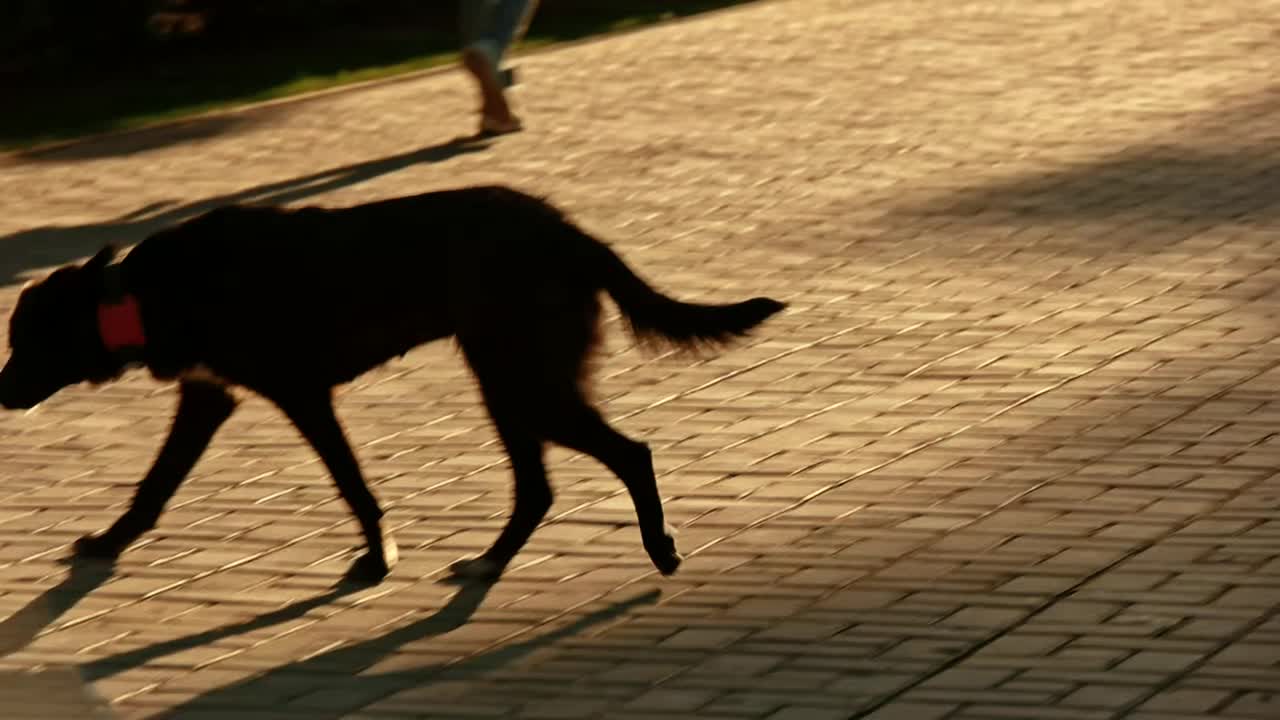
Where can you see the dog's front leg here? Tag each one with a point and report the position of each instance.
(313, 415)
(202, 408)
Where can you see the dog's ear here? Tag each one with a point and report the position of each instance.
(102, 259)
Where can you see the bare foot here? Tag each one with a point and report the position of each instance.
(496, 117)
(499, 125)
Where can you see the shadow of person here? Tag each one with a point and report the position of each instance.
(130, 142)
(338, 682)
(52, 245)
(21, 628)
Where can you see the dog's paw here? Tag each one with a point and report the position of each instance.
(96, 547)
(370, 568)
(662, 551)
(478, 568)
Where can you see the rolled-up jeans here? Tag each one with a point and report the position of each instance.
(493, 26)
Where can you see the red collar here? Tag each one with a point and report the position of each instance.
(120, 325)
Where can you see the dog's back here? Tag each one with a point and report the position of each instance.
(264, 292)
(342, 290)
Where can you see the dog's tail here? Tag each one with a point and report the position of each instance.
(655, 318)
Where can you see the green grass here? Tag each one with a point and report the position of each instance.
(63, 108)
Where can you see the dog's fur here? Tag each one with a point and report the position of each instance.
(290, 303)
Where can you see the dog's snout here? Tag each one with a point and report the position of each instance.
(9, 401)
(12, 393)
(6, 399)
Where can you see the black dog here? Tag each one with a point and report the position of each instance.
(290, 303)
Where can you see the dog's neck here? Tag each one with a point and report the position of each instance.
(120, 319)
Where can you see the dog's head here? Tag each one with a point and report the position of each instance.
(53, 335)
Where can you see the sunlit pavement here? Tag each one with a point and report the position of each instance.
(1011, 454)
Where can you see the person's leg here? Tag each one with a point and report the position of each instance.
(489, 28)
(508, 24)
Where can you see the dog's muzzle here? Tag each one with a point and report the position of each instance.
(16, 393)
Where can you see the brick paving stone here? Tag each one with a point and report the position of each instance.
(798, 712)
(1009, 455)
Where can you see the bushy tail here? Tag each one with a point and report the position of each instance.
(656, 319)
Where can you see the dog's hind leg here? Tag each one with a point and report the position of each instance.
(202, 409)
(573, 423)
(312, 413)
(516, 357)
(531, 360)
(532, 491)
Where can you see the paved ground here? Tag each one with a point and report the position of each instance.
(1010, 455)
